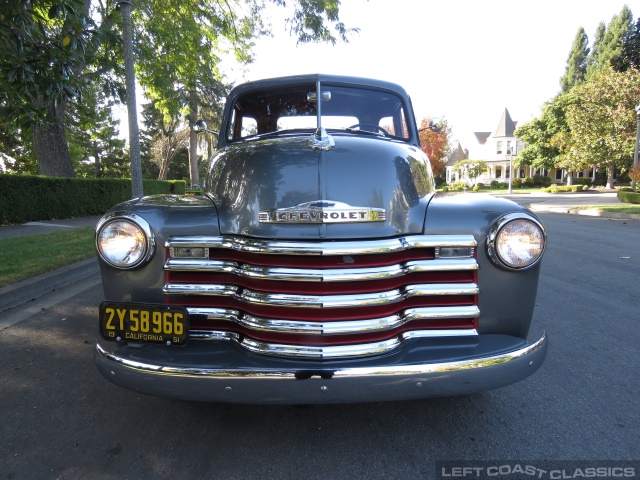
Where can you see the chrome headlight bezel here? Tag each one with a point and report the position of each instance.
(137, 222)
(493, 238)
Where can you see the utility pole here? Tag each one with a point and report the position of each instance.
(635, 153)
(134, 133)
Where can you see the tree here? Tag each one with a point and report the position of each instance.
(629, 57)
(593, 64)
(181, 44)
(50, 50)
(602, 120)
(92, 133)
(545, 137)
(470, 170)
(576, 63)
(435, 144)
(45, 47)
(609, 45)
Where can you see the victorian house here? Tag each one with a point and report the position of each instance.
(497, 149)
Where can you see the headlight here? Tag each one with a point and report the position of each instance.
(516, 241)
(124, 240)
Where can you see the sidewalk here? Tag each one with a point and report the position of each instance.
(22, 292)
(573, 203)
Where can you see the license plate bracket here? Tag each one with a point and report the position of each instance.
(144, 323)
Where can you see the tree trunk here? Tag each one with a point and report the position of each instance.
(52, 150)
(96, 158)
(611, 171)
(134, 133)
(193, 139)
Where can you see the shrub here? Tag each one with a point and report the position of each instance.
(25, 198)
(528, 182)
(627, 196)
(540, 181)
(516, 183)
(583, 181)
(476, 188)
(494, 184)
(503, 185)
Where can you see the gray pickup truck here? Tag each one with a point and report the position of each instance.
(319, 266)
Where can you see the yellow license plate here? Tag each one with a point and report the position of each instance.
(138, 323)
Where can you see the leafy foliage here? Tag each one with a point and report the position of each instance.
(629, 56)
(577, 62)
(602, 120)
(470, 169)
(435, 144)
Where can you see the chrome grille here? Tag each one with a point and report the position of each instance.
(324, 299)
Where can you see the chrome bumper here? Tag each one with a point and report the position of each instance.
(492, 362)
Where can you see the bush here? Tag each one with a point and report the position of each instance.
(516, 183)
(528, 182)
(629, 196)
(476, 188)
(26, 198)
(583, 181)
(540, 181)
(494, 184)
(564, 188)
(503, 185)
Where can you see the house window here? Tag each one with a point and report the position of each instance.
(499, 149)
(508, 147)
(498, 172)
(558, 174)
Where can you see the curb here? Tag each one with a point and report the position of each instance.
(588, 212)
(18, 293)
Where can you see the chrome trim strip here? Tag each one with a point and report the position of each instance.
(323, 248)
(328, 352)
(320, 275)
(348, 327)
(320, 301)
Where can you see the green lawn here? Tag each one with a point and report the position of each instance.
(624, 208)
(25, 257)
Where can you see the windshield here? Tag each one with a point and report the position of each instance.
(293, 108)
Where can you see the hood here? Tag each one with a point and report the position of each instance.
(363, 187)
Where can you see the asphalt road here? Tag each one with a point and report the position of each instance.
(60, 419)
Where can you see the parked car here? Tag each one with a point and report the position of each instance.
(320, 266)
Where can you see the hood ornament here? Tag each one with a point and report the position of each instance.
(320, 140)
(322, 211)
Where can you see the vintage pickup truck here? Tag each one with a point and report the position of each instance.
(320, 266)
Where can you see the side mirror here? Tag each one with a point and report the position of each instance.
(435, 125)
(201, 126)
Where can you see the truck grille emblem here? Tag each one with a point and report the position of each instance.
(322, 211)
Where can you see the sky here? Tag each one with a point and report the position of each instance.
(465, 60)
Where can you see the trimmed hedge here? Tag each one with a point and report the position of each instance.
(629, 196)
(30, 198)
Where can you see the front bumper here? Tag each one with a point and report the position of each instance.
(221, 372)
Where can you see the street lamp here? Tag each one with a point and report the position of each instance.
(510, 153)
(635, 153)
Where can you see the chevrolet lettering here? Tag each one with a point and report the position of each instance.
(319, 265)
(323, 212)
